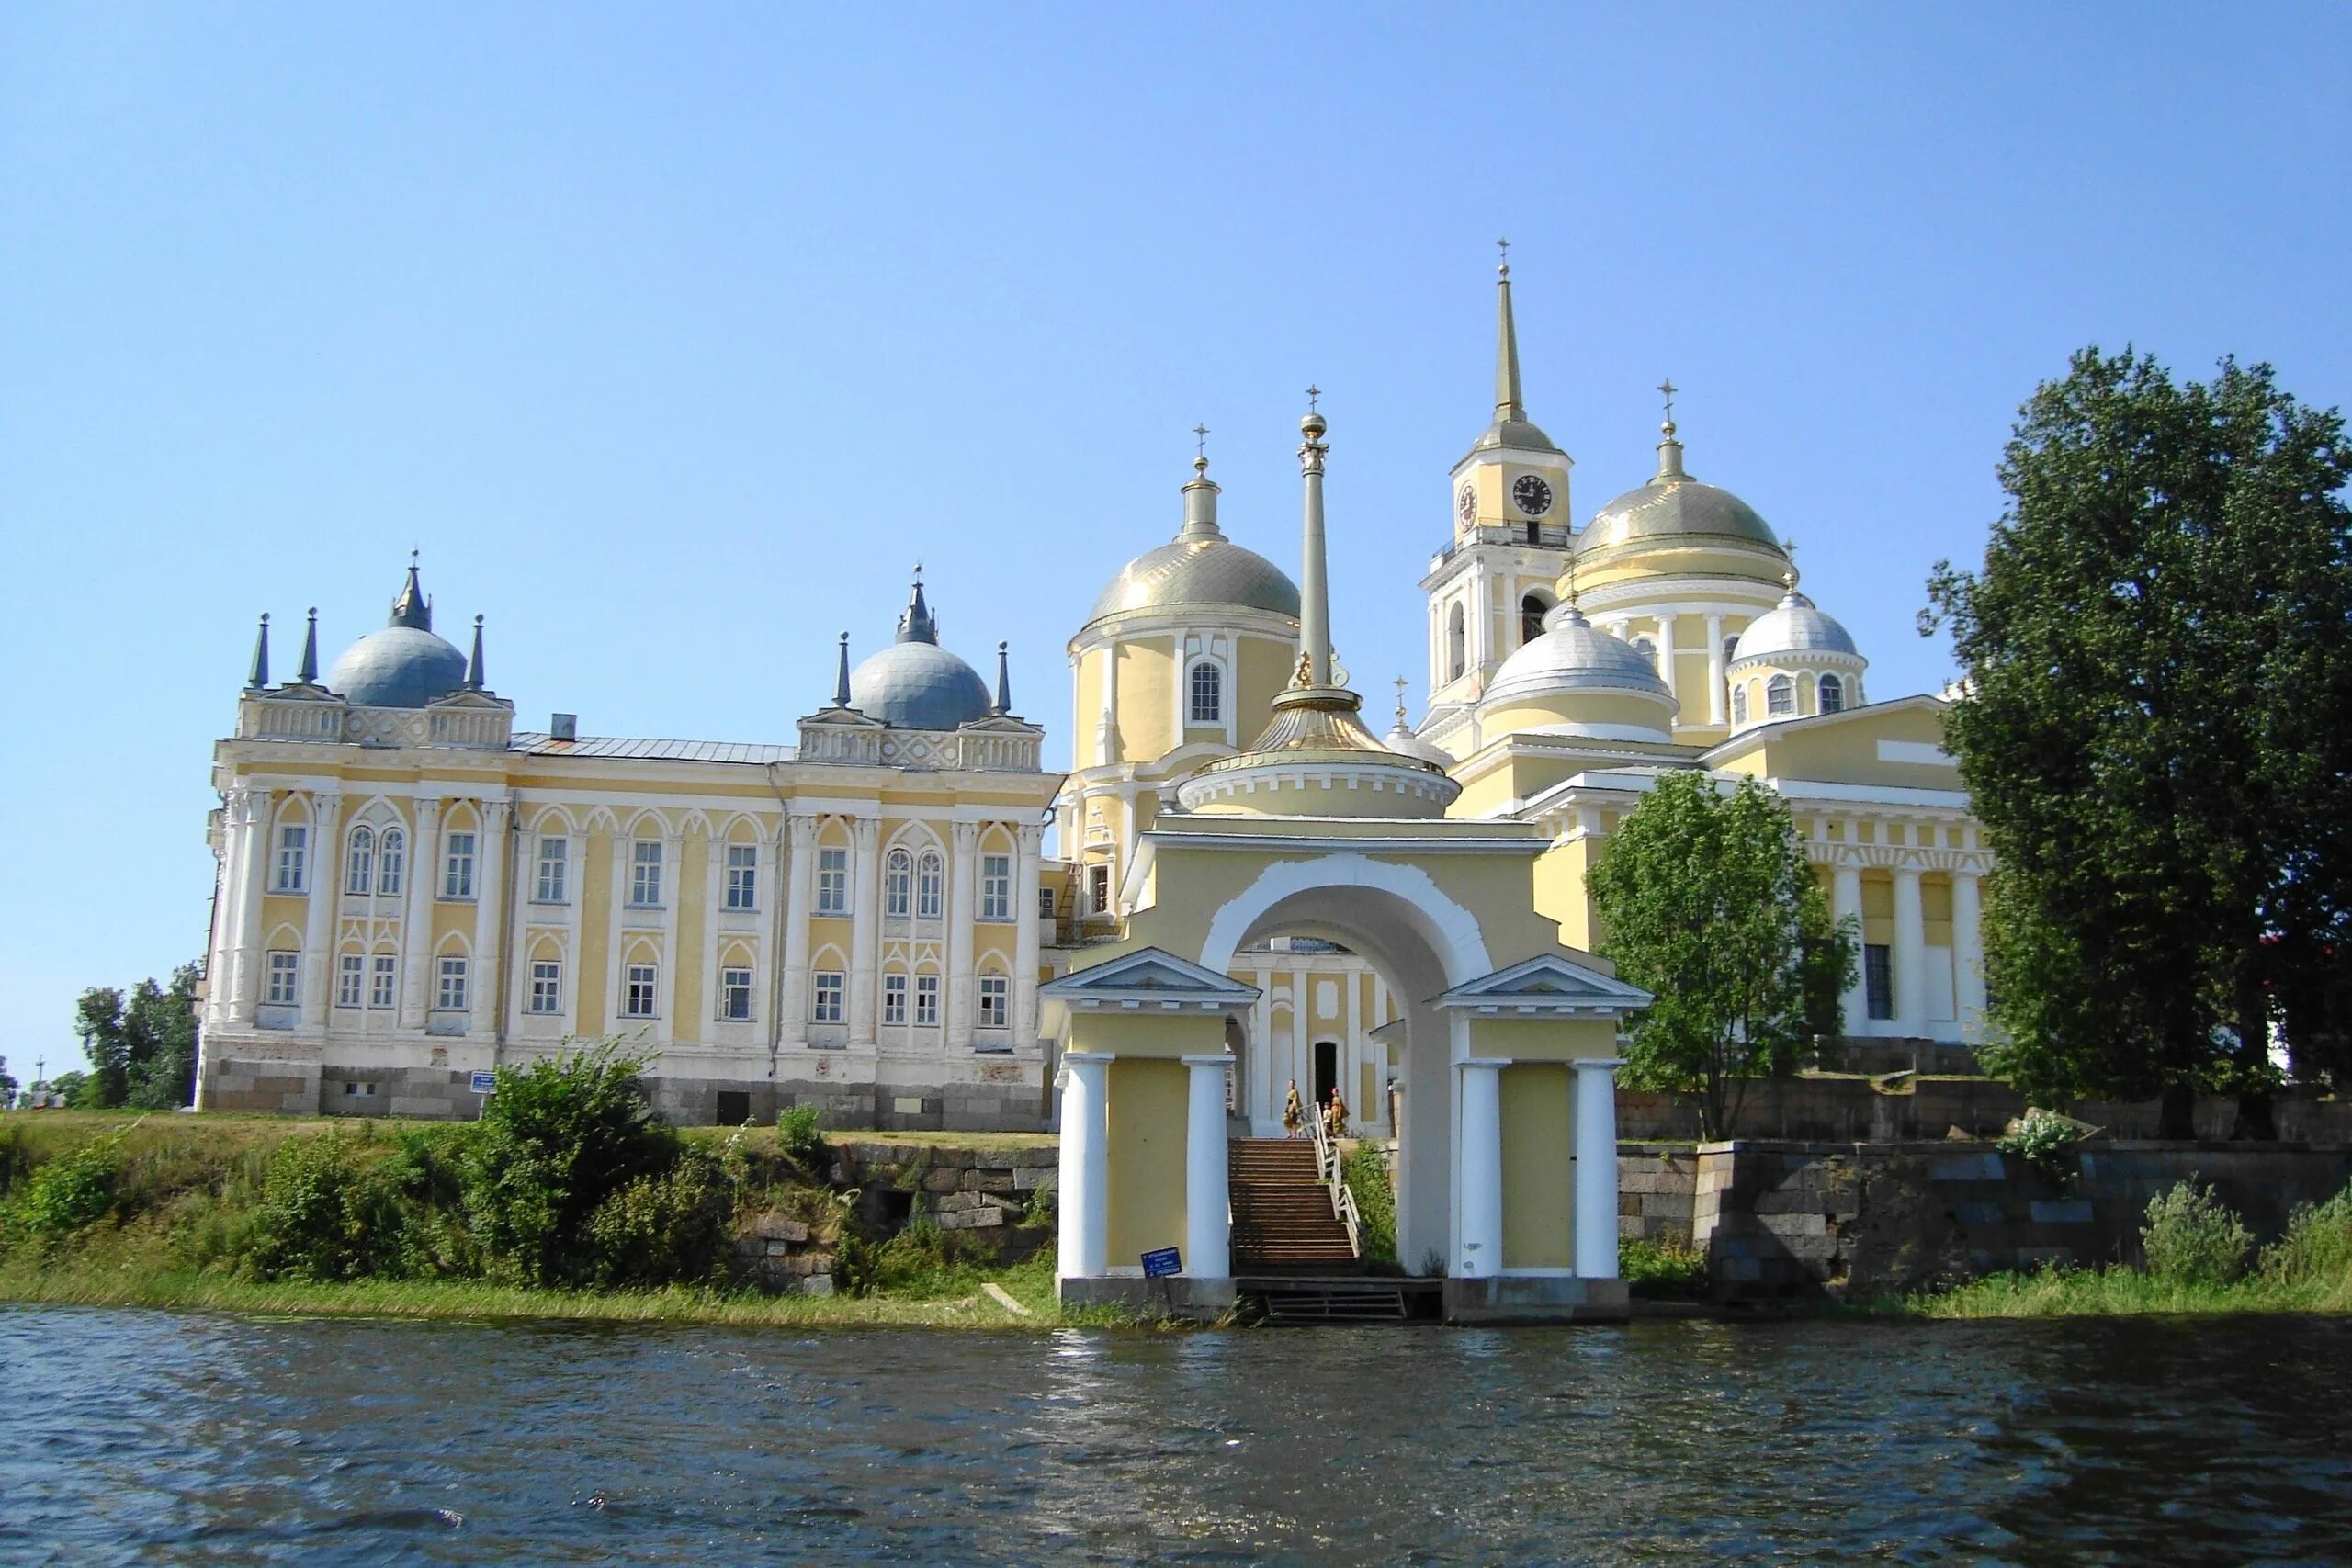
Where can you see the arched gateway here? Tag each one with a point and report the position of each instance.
(1507, 1172)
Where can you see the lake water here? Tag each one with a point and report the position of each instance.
(135, 1437)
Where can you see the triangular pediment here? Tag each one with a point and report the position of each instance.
(999, 724)
(841, 718)
(466, 698)
(1150, 976)
(1548, 983)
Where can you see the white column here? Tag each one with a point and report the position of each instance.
(962, 909)
(490, 914)
(1479, 1177)
(866, 927)
(1083, 1198)
(1262, 1094)
(1030, 936)
(1715, 670)
(800, 883)
(1302, 1055)
(318, 915)
(1666, 662)
(227, 879)
(1968, 952)
(422, 884)
(1845, 898)
(1910, 954)
(1207, 1230)
(245, 961)
(1595, 1113)
(764, 967)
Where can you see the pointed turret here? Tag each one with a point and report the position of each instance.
(309, 673)
(474, 680)
(918, 624)
(1003, 680)
(1509, 408)
(840, 676)
(259, 676)
(411, 608)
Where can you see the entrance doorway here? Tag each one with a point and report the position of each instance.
(1327, 1071)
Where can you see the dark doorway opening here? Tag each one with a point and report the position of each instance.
(1327, 1071)
(734, 1107)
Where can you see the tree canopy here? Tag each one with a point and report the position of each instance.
(1708, 902)
(2157, 657)
(142, 1047)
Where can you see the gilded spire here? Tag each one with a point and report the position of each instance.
(840, 676)
(1315, 595)
(474, 676)
(259, 676)
(1670, 450)
(1003, 680)
(309, 673)
(412, 609)
(1509, 408)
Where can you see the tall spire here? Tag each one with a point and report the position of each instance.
(412, 608)
(309, 673)
(1509, 408)
(1003, 680)
(918, 624)
(1670, 450)
(474, 680)
(840, 676)
(259, 677)
(1314, 592)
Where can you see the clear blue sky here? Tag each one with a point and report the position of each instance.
(672, 334)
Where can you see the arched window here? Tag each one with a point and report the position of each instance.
(1731, 649)
(898, 885)
(1739, 704)
(1531, 610)
(1780, 697)
(1455, 651)
(929, 884)
(1208, 694)
(359, 866)
(1833, 695)
(392, 860)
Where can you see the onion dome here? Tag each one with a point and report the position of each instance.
(1794, 626)
(1572, 655)
(1200, 567)
(1674, 506)
(914, 684)
(402, 666)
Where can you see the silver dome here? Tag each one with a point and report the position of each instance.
(399, 667)
(1794, 626)
(1675, 508)
(914, 684)
(1573, 655)
(1405, 743)
(1206, 570)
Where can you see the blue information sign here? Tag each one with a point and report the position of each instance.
(483, 1083)
(1160, 1264)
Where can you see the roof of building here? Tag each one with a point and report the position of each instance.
(1673, 505)
(1573, 655)
(1794, 626)
(622, 746)
(914, 684)
(1200, 567)
(404, 665)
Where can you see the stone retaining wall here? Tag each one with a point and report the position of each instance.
(1910, 1108)
(1657, 1186)
(996, 1202)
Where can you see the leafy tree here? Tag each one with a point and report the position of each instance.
(2157, 654)
(143, 1048)
(1709, 903)
(7, 1085)
(97, 1019)
(74, 1090)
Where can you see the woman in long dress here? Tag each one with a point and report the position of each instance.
(1293, 1112)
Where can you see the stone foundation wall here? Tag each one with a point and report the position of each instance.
(996, 1202)
(1780, 1220)
(1657, 1186)
(1910, 1108)
(783, 1255)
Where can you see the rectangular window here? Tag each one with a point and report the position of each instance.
(555, 859)
(1878, 979)
(1207, 688)
(360, 865)
(638, 991)
(735, 994)
(285, 986)
(894, 998)
(1098, 888)
(293, 850)
(929, 884)
(350, 980)
(546, 987)
(742, 876)
(996, 887)
(457, 867)
(927, 1001)
(1045, 904)
(451, 996)
(645, 875)
(995, 1000)
(832, 881)
(827, 1005)
(380, 981)
(393, 868)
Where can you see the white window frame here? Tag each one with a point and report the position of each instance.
(1829, 695)
(996, 1001)
(641, 990)
(926, 1002)
(1739, 703)
(293, 858)
(735, 994)
(450, 984)
(645, 868)
(833, 881)
(996, 887)
(359, 861)
(1099, 891)
(554, 874)
(894, 999)
(1196, 714)
(742, 876)
(546, 987)
(284, 985)
(825, 997)
(1045, 904)
(931, 885)
(1780, 697)
(383, 981)
(898, 885)
(457, 867)
(391, 861)
(350, 979)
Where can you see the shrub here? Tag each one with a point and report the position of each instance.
(1365, 1171)
(2317, 1246)
(71, 1192)
(2192, 1237)
(921, 1260)
(1670, 1270)
(796, 1135)
(660, 1229)
(2043, 1139)
(323, 1214)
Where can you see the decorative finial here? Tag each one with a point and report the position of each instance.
(309, 673)
(1201, 440)
(1003, 680)
(1400, 701)
(1573, 590)
(1669, 388)
(475, 677)
(259, 675)
(1670, 450)
(1312, 393)
(840, 676)
(918, 572)
(1504, 246)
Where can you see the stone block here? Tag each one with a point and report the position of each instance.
(1979, 1214)
(955, 1203)
(945, 1178)
(996, 1159)
(988, 1181)
(1032, 1178)
(984, 1219)
(1665, 1206)
(772, 1226)
(1794, 1225)
(1629, 1224)
(2061, 1211)
(817, 1285)
(1043, 1158)
(777, 1248)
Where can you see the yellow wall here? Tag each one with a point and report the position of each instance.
(1145, 1149)
(690, 1010)
(1538, 1181)
(1560, 892)
(1843, 749)
(1088, 711)
(595, 956)
(1146, 696)
(1265, 666)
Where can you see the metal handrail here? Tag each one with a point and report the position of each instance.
(1328, 1171)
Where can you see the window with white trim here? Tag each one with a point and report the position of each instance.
(350, 979)
(735, 994)
(894, 998)
(1833, 695)
(638, 992)
(359, 864)
(391, 861)
(1207, 694)
(996, 887)
(1456, 653)
(293, 854)
(1780, 697)
(645, 874)
(926, 1002)
(457, 867)
(898, 885)
(742, 878)
(1739, 704)
(285, 984)
(1098, 888)
(996, 993)
(449, 992)
(832, 881)
(1045, 904)
(825, 997)
(546, 987)
(555, 867)
(931, 884)
(380, 975)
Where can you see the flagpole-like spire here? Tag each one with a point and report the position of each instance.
(474, 676)
(1669, 450)
(259, 677)
(309, 673)
(840, 676)
(1003, 680)
(1509, 408)
(1314, 592)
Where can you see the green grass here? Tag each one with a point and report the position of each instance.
(2115, 1292)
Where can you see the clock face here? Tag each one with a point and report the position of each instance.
(1532, 495)
(1467, 501)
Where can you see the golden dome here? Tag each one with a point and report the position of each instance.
(1200, 567)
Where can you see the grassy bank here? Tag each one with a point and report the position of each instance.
(2117, 1293)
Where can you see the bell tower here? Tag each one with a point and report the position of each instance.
(1491, 587)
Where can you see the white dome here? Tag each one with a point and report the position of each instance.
(1795, 626)
(1573, 655)
(1405, 743)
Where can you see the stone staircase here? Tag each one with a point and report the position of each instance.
(1283, 1221)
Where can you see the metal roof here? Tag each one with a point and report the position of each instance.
(614, 746)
